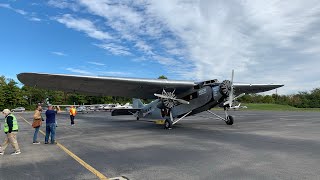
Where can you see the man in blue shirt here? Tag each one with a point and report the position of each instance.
(51, 124)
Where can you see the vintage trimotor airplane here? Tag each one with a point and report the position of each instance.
(174, 100)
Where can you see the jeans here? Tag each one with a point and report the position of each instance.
(35, 135)
(50, 129)
(72, 119)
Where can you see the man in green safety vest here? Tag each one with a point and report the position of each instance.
(11, 130)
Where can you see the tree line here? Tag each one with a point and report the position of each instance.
(12, 96)
(300, 100)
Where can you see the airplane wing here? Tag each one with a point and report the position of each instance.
(254, 88)
(104, 86)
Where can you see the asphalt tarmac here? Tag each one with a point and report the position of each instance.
(260, 145)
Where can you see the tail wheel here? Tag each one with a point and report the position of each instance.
(167, 124)
(229, 120)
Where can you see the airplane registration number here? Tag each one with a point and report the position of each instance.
(202, 91)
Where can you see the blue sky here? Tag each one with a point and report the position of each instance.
(264, 41)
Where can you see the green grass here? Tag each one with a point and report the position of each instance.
(275, 107)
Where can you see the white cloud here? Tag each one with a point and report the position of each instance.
(113, 73)
(63, 4)
(83, 25)
(58, 53)
(96, 63)
(79, 71)
(115, 49)
(264, 41)
(35, 19)
(19, 11)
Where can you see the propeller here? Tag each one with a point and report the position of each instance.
(230, 100)
(169, 99)
(239, 96)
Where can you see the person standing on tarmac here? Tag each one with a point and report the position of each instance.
(73, 113)
(37, 121)
(51, 124)
(11, 130)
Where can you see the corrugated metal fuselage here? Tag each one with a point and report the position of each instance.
(200, 100)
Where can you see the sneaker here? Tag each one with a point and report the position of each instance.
(45, 142)
(37, 142)
(16, 153)
(54, 142)
(72, 124)
(1, 153)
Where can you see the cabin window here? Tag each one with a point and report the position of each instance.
(190, 96)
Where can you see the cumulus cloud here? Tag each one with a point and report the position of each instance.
(264, 41)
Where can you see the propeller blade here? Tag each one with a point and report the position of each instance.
(161, 96)
(231, 92)
(239, 96)
(182, 101)
(175, 99)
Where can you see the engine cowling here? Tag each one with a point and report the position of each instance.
(222, 91)
(225, 88)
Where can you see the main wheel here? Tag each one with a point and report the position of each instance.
(137, 118)
(229, 120)
(167, 124)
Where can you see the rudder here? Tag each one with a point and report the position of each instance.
(137, 103)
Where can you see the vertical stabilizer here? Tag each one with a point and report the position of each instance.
(137, 103)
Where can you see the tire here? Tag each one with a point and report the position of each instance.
(229, 120)
(137, 118)
(167, 124)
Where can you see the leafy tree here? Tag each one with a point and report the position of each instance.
(162, 77)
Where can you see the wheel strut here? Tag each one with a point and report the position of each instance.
(228, 119)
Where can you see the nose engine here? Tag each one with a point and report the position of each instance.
(225, 88)
(221, 91)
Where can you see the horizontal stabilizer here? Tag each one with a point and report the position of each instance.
(119, 112)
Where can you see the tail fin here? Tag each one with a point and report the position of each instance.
(137, 104)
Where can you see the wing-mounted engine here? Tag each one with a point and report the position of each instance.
(169, 99)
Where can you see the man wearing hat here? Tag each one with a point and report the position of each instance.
(11, 130)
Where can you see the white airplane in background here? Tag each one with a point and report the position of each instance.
(174, 99)
(125, 106)
(237, 107)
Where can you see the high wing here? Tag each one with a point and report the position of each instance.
(104, 86)
(125, 87)
(254, 88)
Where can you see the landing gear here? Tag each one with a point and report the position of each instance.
(169, 122)
(137, 118)
(228, 119)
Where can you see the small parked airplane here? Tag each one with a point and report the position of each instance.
(237, 107)
(174, 100)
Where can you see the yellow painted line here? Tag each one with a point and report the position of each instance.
(75, 157)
